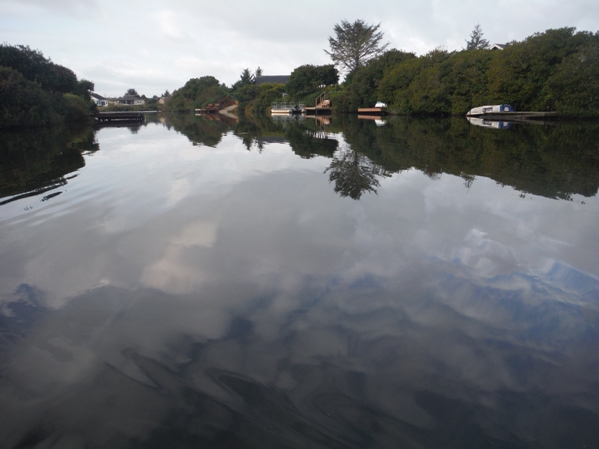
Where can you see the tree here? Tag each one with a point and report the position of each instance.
(131, 92)
(355, 44)
(307, 78)
(476, 41)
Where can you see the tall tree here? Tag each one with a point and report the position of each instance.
(131, 92)
(476, 41)
(355, 44)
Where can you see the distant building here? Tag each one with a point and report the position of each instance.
(99, 99)
(497, 47)
(130, 100)
(278, 79)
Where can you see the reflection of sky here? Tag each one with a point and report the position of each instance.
(167, 264)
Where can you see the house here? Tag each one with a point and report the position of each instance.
(99, 99)
(130, 100)
(497, 47)
(278, 79)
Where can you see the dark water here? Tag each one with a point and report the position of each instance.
(199, 282)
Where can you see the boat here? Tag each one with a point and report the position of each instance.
(287, 108)
(477, 121)
(505, 112)
(493, 109)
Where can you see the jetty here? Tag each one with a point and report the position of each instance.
(378, 109)
(119, 117)
(322, 105)
(223, 104)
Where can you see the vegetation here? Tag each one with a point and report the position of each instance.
(36, 92)
(309, 78)
(554, 70)
(355, 44)
(197, 93)
(476, 41)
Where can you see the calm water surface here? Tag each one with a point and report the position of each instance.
(198, 282)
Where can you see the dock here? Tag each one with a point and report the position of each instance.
(322, 105)
(378, 111)
(118, 117)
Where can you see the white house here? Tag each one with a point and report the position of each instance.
(497, 47)
(99, 99)
(131, 100)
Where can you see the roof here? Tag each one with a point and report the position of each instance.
(130, 97)
(96, 96)
(497, 47)
(279, 79)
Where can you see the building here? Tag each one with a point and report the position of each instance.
(497, 47)
(273, 79)
(99, 99)
(130, 100)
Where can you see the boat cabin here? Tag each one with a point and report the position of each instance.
(493, 109)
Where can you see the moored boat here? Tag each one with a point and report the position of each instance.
(491, 109)
(287, 108)
(505, 112)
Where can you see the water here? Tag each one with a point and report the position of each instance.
(278, 284)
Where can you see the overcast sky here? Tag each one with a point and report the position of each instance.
(155, 45)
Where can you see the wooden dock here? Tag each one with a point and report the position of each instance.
(378, 111)
(322, 105)
(118, 117)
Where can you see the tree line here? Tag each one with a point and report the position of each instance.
(553, 70)
(34, 91)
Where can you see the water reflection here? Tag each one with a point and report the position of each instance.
(540, 160)
(217, 297)
(36, 162)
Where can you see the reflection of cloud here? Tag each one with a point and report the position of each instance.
(172, 273)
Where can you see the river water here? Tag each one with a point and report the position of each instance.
(201, 282)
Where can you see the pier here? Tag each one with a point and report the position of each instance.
(322, 105)
(119, 117)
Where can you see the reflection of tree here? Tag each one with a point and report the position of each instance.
(354, 174)
(205, 130)
(36, 161)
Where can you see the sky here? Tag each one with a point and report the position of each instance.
(154, 45)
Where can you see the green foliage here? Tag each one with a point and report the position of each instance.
(308, 78)
(476, 41)
(246, 94)
(518, 74)
(196, 93)
(267, 94)
(245, 78)
(84, 88)
(574, 87)
(76, 108)
(547, 71)
(35, 67)
(24, 103)
(36, 92)
(355, 44)
(361, 87)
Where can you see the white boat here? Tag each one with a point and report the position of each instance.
(477, 121)
(287, 108)
(491, 109)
